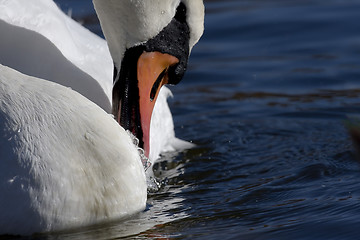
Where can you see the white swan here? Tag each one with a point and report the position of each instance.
(64, 162)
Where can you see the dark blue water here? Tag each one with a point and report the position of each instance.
(266, 96)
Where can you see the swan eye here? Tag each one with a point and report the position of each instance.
(156, 85)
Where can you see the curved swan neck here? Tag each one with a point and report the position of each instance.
(129, 23)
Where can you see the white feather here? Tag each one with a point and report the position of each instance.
(136, 21)
(88, 52)
(64, 161)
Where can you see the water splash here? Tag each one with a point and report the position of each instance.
(152, 184)
(145, 160)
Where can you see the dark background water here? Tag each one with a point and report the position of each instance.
(265, 99)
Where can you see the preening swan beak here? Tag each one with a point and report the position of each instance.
(152, 73)
(137, 86)
(150, 43)
(144, 69)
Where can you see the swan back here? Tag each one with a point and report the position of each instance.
(65, 162)
(61, 49)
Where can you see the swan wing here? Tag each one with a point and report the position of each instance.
(85, 50)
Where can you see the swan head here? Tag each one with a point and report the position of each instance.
(150, 42)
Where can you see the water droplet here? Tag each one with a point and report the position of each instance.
(145, 160)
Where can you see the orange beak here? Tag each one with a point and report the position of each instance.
(152, 74)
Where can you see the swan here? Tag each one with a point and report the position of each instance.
(65, 161)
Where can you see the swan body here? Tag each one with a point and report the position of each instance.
(65, 161)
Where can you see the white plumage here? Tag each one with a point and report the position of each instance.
(64, 161)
